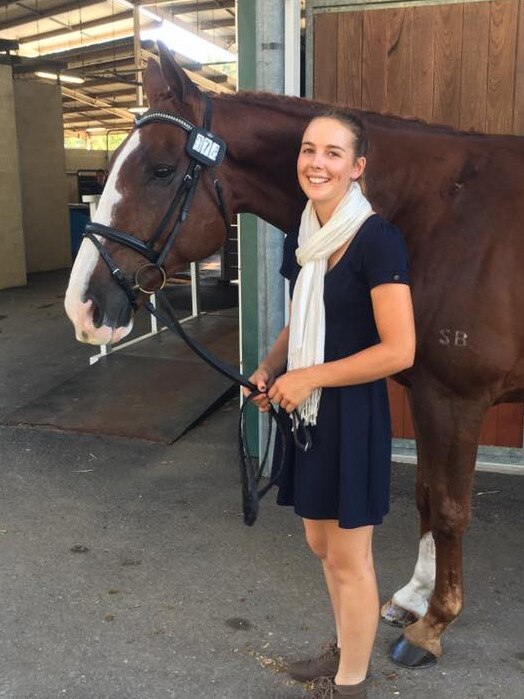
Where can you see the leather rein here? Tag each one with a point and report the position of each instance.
(205, 150)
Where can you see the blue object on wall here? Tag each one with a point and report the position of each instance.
(78, 217)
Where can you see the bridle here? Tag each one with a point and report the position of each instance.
(205, 150)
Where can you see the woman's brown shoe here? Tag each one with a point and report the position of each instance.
(325, 665)
(325, 688)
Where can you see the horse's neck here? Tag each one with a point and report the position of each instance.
(263, 143)
(263, 134)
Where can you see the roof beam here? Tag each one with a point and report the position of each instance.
(73, 112)
(86, 70)
(101, 48)
(217, 23)
(89, 118)
(117, 82)
(107, 125)
(81, 96)
(51, 12)
(6, 3)
(121, 101)
(119, 50)
(181, 8)
(100, 21)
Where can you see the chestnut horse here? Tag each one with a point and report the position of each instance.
(459, 200)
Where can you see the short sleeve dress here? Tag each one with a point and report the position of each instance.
(346, 474)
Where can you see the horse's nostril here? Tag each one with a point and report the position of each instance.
(95, 310)
(124, 316)
(113, 311)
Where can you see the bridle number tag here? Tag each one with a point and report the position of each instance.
(205, 147)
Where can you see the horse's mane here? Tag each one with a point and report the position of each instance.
(301, 107)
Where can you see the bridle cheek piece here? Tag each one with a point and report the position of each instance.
(205, 150)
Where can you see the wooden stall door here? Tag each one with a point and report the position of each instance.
(456, 64)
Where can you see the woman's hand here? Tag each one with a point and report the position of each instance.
(262, 379)
(291, 389)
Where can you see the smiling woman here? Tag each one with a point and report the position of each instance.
(351, 325)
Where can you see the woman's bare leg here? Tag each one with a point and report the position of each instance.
(333, 595)
(350, 562)
(316, 537)
(347, 559)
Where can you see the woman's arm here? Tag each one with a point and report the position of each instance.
(276, 359)
(393, 312)
(269, 368)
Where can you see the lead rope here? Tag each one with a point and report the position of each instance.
(250, 473)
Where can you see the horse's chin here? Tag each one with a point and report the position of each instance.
(104, 335)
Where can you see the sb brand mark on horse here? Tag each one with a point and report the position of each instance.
(439, 220)
(455, 338)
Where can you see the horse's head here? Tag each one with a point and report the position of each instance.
(145, 175)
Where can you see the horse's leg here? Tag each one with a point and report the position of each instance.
(411, 602)
(447, 430)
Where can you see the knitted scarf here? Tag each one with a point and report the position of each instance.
(316, 243)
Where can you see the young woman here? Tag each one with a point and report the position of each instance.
(351, 325)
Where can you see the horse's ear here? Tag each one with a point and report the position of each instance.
(155, 85)
(183, 89)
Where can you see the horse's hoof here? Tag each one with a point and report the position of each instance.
(405, 654)
(394, 615)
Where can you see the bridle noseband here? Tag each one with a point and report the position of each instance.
(205, 150)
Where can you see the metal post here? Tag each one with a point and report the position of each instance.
(292, 25)
(269, 77)
(137, 54)
(195, 290)
(247, 232)
(292, 47)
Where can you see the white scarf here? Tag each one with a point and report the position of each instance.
(316, 243)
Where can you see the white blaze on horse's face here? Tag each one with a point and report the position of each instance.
(78, 310)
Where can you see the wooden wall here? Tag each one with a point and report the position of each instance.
(457, 64)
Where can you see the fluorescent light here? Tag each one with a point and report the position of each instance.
(188, 44)
(137, 110)
(180, 40)
(96, 129)
(60, 76)
(74, 79)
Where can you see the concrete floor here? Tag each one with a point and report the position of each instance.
(127, 572)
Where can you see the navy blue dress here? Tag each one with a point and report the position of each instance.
(346, 474)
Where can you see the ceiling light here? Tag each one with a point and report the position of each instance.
(60, 76)
(138, 110)
(96, 129)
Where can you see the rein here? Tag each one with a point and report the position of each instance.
(205, 150)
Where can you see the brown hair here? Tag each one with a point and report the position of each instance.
(354, 124)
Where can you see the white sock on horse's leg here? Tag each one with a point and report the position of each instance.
(414, 597)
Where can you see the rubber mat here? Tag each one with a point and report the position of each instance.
(154, 390)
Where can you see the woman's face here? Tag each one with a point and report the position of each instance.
(327, 164)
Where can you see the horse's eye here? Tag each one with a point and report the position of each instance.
(162, 172)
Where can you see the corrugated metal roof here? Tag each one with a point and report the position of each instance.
(94, 40)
